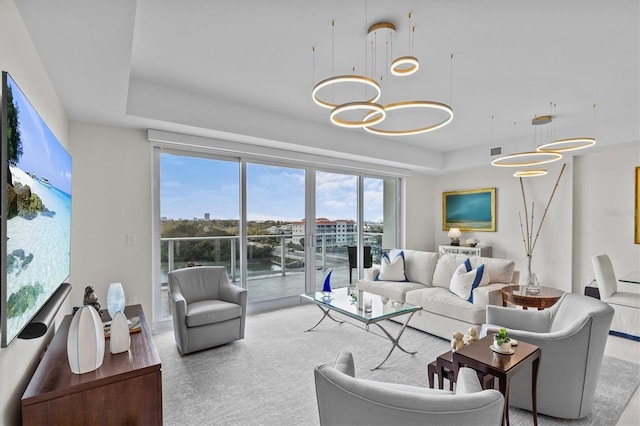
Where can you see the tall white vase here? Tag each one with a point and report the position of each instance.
(119, 338)
(85, 342)
(115, 299)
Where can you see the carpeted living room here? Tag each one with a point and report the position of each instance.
(303, 212)
(267, 378)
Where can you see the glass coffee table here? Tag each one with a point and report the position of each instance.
(381, 309)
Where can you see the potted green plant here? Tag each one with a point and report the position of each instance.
(501, 340)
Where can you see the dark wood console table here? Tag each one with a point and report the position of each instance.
(126, 389)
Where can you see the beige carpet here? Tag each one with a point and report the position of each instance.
(267, 378)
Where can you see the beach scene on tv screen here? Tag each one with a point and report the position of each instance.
(38, 213)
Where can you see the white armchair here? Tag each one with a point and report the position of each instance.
(207, 309)
(626, 320)
(572, 335)
(345, 400)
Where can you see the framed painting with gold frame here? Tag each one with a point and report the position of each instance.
(470, 210)
(636, 213)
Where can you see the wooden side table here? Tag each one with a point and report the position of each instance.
(517, 295)
(481, 358)
(443, 368)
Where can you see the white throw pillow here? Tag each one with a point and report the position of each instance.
(465, 280)
(392, 269)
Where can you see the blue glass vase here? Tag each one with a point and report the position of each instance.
(115, 299)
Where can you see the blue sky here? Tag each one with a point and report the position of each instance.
(42, 153)
(192, 186)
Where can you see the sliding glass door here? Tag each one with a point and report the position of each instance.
(275, 232)
(278, 229)
(199, 201)
(336, 218)
(380, 224)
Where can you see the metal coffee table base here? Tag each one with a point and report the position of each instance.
(394, 340)
(327, 313)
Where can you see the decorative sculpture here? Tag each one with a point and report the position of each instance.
(471, 336)
(90, 298)
(85, 343)
(326, 288)
(456, 341)
(119, 340)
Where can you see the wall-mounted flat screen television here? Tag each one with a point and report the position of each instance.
(36, 212)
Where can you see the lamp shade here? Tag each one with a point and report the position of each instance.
(115, 299)
(454, 233)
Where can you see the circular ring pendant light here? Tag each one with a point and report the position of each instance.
(376, 114)
(530, 173)
(404, 65)
(411, 104)
(563, 145)
(344, 79)
(525, 159)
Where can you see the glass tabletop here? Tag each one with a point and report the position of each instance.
(381, 307)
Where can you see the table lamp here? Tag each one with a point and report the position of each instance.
(454, 234)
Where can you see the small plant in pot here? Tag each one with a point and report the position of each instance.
(501, 340)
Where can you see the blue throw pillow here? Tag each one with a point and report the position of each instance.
(465, 280)
(392, 269)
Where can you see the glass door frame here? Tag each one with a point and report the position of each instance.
(310, 210)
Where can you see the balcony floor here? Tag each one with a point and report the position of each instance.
(273, 287)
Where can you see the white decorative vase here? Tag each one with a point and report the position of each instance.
(115, 299)
(85, 342)
(119, 338)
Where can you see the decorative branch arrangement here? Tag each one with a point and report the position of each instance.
(528, 239)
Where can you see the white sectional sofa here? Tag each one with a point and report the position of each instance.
(428, 280)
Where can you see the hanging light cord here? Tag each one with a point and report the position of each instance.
(451, 82)
(411, 35)
(594, 121)
(333, 54)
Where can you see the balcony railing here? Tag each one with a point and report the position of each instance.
(268, 255)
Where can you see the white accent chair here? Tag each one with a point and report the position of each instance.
(345, 400)
(207, 309)
(626, 320)
(572, 335)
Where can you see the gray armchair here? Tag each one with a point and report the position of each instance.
(572, 335)
(626, 320)
(208, 311)
(346, 400)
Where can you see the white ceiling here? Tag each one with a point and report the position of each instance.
(243, 70)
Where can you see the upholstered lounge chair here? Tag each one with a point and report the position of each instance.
(572, 335)
(208, 311)
(345, 400)
(626, 320)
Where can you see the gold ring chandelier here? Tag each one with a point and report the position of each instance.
(374, 113)
(544, 153)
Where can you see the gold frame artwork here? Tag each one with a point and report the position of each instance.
(637, 210)
(470, 210)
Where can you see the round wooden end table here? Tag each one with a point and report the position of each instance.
(517, 295)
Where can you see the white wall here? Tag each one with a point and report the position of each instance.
(418, 211)
(19, 57)
(111, 212)
(604, 211)
(592, 212)
(551, 260)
